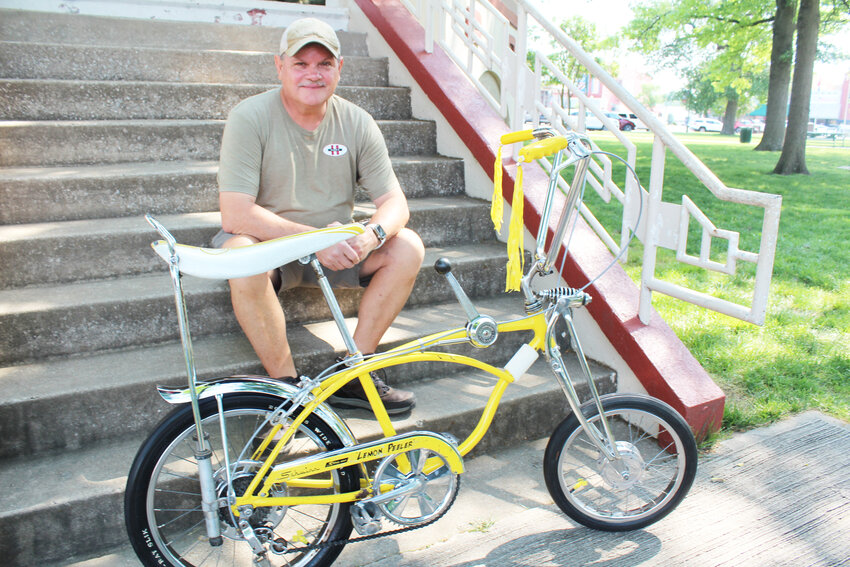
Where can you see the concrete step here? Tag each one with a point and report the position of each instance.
(84, 317)
(76, 29)
(76, 402)
(81, 491)
(23, 143)
(228, 64)
(46, 194)
(66, 251)
(39, 99)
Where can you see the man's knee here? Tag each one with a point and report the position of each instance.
(250, 286)
(405, 251)
(408, 246)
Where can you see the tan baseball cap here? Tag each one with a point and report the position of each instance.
(308, 30)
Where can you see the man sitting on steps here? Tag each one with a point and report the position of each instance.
(290, 160)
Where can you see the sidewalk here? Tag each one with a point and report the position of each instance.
(779, 495)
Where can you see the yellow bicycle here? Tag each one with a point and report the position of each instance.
(253, 471)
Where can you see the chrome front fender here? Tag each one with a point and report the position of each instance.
(257, 385)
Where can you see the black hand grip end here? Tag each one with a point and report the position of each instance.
(443, 266)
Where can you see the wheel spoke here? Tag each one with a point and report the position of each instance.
(185, 532)
(168, 491)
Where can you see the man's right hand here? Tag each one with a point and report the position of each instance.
(348, 253)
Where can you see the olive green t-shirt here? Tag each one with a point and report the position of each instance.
(303, 176)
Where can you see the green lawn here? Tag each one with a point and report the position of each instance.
(800, 358)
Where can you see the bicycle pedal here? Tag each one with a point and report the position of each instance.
(366, 518)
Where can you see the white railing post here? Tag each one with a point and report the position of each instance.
(766, 259)
(504, 52)
(432, 11)
(653, 229)
(521, 54)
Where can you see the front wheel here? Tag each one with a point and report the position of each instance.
(162, 503)
(656, 469)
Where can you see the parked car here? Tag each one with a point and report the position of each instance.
(755, 125)
(705, 125)
(625, 124)
(591, 122)
(631, 117)
(822, 128)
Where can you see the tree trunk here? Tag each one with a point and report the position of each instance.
(781, 56)
(729, 115)
(793, 157)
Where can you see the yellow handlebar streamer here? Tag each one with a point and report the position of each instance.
(516, 227)
(496, 206)
(496, 209)
(516, 231)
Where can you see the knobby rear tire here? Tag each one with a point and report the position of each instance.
(162, 498)
(657, 446)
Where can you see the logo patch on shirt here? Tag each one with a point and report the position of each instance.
(335, 150)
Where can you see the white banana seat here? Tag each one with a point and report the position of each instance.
(227, 263)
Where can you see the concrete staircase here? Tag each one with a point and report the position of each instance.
(102, 120)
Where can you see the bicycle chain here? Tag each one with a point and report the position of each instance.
(346, 541)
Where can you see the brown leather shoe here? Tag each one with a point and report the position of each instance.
(352, 395)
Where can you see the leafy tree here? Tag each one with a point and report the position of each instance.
(584, 33)
(726, 42)
(650, 95)
(793, 157)
(781, 57)
(699, 94)
(811, 21)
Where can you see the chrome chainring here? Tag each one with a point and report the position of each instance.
(423, 496)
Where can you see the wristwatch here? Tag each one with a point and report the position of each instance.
(379, 233)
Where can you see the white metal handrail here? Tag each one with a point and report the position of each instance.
(481, 40)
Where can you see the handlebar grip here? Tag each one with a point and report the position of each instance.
(519, 136)
(543, 148)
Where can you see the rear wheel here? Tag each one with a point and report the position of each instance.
(657, 466)
(163, 503)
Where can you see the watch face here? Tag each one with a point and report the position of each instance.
(379, 234)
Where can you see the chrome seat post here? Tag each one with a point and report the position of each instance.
(333, 304)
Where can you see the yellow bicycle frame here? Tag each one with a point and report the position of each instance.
(257, 493)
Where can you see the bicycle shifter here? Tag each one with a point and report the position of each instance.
(482, 330)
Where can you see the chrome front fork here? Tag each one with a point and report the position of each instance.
(603, 440)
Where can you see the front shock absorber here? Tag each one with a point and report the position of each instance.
(573, 297)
